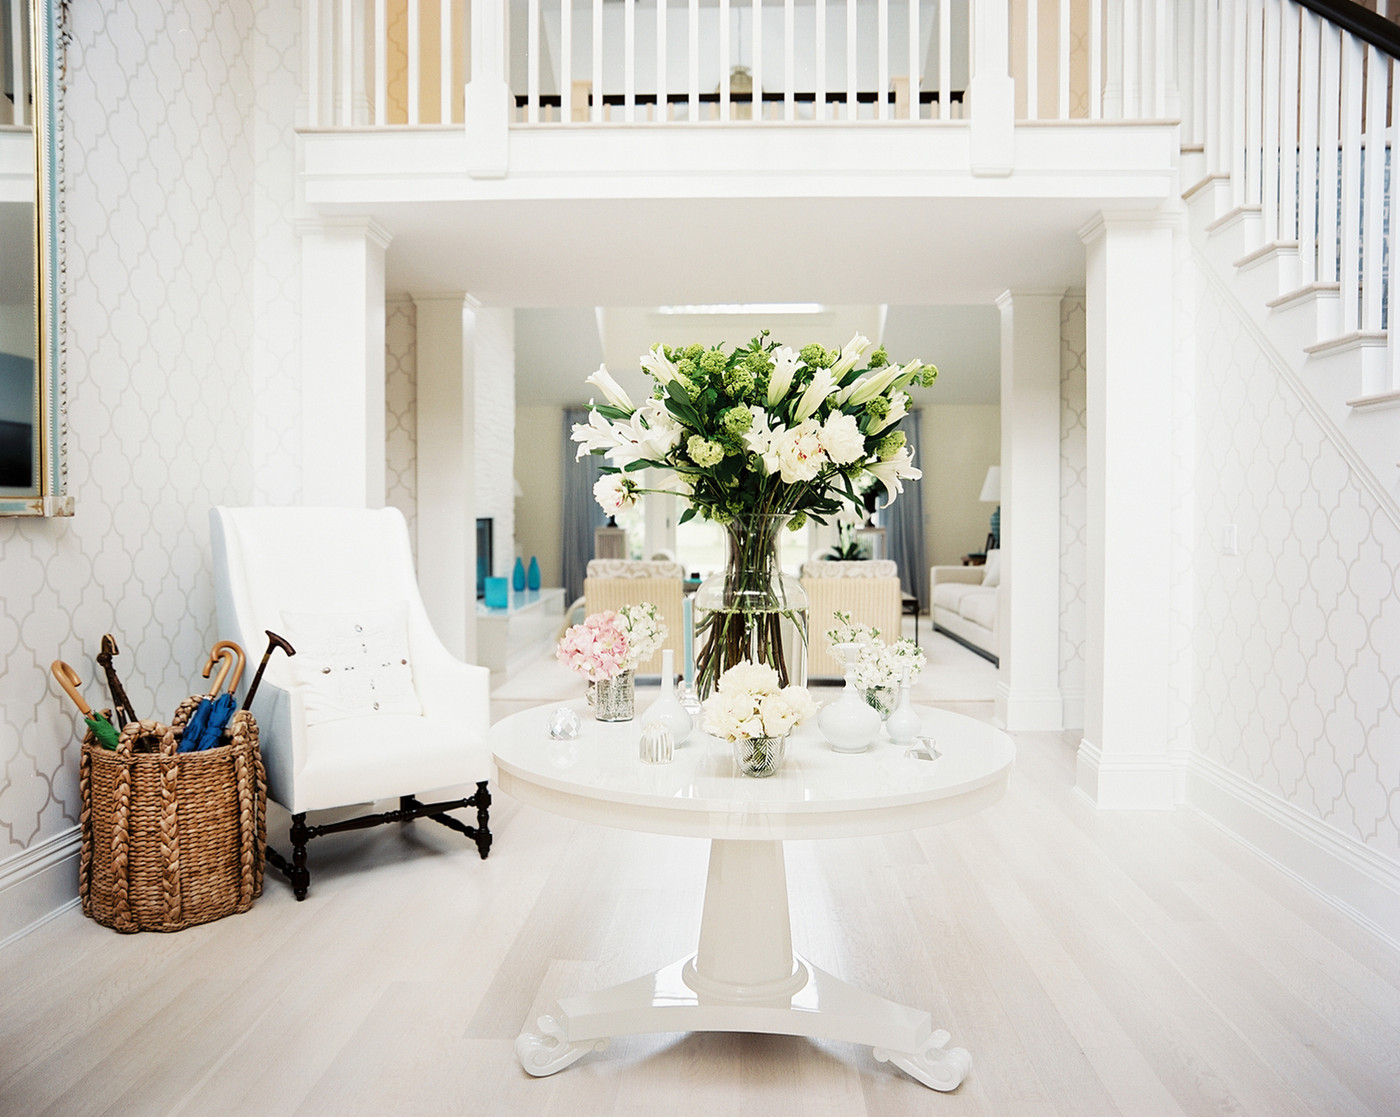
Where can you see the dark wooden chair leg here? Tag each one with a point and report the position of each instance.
(483, 812)
(300, 876)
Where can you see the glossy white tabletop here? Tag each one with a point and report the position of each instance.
(818, 793)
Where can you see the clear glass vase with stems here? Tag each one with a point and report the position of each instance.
(751, 611)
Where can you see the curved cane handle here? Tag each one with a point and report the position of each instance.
(69, 681)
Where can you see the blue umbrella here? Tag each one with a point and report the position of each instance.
(207, 722)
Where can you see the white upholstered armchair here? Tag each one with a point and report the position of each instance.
(372, 706)
(868, 589)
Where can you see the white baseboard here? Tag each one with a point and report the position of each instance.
(1072, 705)
(1340, 870)
(39, 884)
(1031, 710)
(1127, 781)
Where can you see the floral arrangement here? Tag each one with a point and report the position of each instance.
(608, 643)
(749, 702)
(877, 664)
(759, 429)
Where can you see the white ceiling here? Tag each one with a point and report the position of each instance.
(935, 266)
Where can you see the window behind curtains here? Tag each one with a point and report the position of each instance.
(580, 512)
(904, 522)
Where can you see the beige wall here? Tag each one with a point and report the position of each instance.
(957, 444)
(539, 466)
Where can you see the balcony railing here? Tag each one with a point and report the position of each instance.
(377, 63)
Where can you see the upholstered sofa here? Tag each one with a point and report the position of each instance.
(964, 604)
(868, 590)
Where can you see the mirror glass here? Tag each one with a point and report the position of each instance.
(30, 472)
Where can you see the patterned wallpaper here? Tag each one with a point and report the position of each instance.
(1074, 517)
(276, 60)
(401, 409)
(1297, 638)
(160, 215)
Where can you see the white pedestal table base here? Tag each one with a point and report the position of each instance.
(745, 978)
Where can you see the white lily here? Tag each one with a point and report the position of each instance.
(663, 371)
(604, 382)
(822, 385)
(851, 353)
(868, 387)
(661, 434)
(899, 407)
(894, 471)
(597, 434)
(780, 379)
(759, 437)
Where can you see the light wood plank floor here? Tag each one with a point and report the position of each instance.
(1093, 962)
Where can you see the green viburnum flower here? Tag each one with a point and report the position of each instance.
(703, 452)
(926, 376)
(878, 408)
(686, 367)
(798, 519)
(721, 515)
(713, 362)
(879, 358)
(759, 363)
(736, 421)
(814, 356)
(738, 381)
(890, 445)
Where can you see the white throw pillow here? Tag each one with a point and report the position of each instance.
(991, 570)
(353, 664)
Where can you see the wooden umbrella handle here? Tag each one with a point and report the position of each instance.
(69, 681)
(226, 660)
(224, 647)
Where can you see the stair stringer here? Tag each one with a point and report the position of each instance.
(1367, 438)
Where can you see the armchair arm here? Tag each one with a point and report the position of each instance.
(969, 575)
(449, 688)
(281, 717)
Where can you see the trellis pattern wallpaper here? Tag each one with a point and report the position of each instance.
(401, 410)
(1296, 638)
(1074, 515)
(160, 192)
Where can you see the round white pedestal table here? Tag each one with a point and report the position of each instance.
(744, 976)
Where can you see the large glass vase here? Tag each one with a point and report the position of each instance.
(751, 611)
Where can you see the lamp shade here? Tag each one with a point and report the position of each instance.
(991, 486)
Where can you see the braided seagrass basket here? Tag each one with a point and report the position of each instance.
(172, 839)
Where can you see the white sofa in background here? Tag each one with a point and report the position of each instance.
(964, 604)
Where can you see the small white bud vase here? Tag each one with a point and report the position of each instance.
(667, 708)
(849, 724)
(903, 723)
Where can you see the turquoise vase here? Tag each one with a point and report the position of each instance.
(517, 578)
(532, 579)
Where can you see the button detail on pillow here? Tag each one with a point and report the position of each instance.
(353, 664)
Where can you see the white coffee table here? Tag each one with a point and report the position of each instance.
(744, 976)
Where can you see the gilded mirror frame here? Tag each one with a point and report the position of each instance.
(46, 495)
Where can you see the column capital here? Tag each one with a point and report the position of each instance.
(349, 225)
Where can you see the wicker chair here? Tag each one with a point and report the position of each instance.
(324, 565)
(867, 589)
(609, 583)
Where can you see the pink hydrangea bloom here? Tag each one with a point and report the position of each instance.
(596, 649)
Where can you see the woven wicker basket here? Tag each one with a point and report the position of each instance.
(172, 839)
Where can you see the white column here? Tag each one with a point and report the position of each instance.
(342, 362)
(447, 467)
(992, 92)
(487, 102)
(1124, 758)
(1028, 689)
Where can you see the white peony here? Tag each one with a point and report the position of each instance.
(614, 492)
(796, 453)
(748, 702)
(841, 438)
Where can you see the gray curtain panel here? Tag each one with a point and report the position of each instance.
(581, 513)
(904, 522)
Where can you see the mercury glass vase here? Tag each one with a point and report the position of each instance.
(759, 756)
(751, 611)
(615, 699)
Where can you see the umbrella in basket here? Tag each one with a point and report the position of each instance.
(211, 715)
(102, 729)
